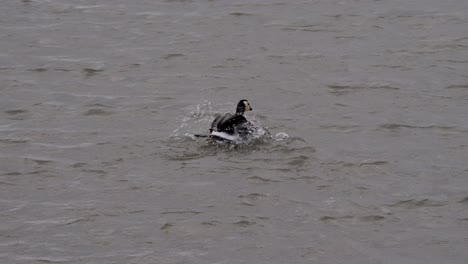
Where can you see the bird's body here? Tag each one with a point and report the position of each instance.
(229, 123)
(233, 124)
(230, 126)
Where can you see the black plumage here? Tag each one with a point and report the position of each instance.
(233, 123)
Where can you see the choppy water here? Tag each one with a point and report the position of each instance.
(370, 99)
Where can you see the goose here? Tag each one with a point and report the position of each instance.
(231, 126)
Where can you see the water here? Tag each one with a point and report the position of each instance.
(366, 102)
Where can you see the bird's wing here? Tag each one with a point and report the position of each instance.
(228, 123)
(214, 124)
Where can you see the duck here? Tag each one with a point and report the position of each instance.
(233, 124)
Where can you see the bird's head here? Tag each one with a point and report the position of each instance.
(243, 106)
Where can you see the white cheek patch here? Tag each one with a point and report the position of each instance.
(247, 106)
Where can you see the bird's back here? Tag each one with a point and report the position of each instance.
(228, 123)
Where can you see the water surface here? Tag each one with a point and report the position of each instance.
(369, 97)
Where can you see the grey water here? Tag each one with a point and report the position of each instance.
(366, 102)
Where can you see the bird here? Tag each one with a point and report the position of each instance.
(233, 124)
(231, 127)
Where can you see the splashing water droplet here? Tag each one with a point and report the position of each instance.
(281, 136)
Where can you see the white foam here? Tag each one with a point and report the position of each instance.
(226, 136)
(281, 136)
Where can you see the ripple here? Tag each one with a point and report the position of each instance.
(89, 72)
(298, 161)
(336, 218)
(464, 200)
(62, 221)
(48, 259)
(240, 14)
(181, 212)
(211, 223)
(372, 218)
(166, 226)
(16, 112)
(396, 126)
(253, 196)
(81, 145)
(172, 56)
(415, 203)
(12, 141)
(292, 145)
(261, 179)
(373, 163)
(97, 112)
(459, 86)
(340, 128)
(39, 70)
(244, 223)
(339, 89)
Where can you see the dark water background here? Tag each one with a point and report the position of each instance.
(97, 98)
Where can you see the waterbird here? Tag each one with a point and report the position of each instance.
(231, 126)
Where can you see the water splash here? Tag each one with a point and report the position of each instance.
(197, 120)
(281, 136)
